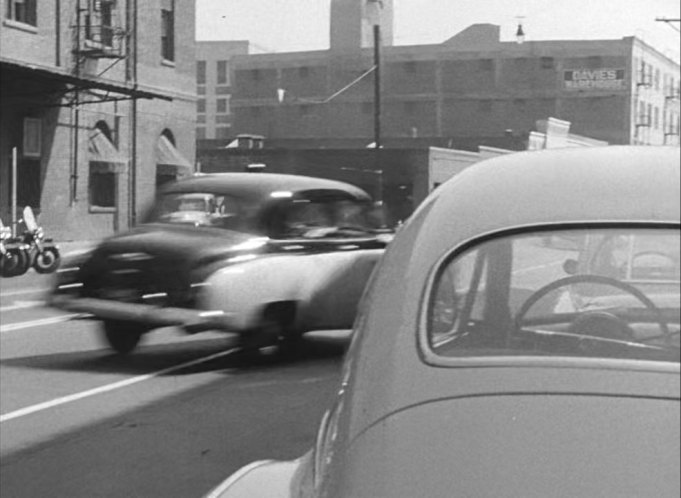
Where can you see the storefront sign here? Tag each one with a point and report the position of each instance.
(594, 79)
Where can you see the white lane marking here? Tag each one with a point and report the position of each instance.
(109, 387)
(39, 323)
(22, 292)
(18, 305)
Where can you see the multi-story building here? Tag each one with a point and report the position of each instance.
(98, 107)
(473, 85)
(214, 87)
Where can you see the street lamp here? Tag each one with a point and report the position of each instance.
(373, 11)
(520, 33)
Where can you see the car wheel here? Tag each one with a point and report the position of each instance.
(47, 261)
(15, 262)
(122, 337)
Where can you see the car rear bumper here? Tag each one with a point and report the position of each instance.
(191, 320)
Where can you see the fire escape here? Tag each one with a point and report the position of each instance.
(642, 111)
(671, 114)
(100, 41)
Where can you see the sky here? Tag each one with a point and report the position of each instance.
(300, 25)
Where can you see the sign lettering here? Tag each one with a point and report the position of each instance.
(594, 79)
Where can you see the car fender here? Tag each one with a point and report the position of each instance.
(267, 479)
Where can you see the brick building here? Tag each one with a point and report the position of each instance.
(621, 91)
(98, 99)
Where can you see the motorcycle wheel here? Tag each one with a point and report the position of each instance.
(15, 262)
(47, 261)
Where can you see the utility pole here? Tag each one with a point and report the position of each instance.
(377, 109)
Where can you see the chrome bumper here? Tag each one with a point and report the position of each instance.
(191, 320)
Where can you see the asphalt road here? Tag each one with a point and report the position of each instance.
(172, 420)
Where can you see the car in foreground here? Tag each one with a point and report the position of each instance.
(265, 256)
(520, 337)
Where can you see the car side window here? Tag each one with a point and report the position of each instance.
(304, 216)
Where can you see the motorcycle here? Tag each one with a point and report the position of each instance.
(44, 253)
(15, 258)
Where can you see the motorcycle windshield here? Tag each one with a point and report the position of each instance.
(29, 219)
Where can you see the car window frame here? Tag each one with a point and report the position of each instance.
(429, 357)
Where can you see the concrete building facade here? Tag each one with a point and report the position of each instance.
(214, 87)
(621, 91)
(98, 107)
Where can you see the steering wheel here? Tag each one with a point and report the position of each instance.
(594, 279)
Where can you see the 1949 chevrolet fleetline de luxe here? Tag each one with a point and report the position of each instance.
(264, 255)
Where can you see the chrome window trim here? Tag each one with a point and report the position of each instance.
(431, 358)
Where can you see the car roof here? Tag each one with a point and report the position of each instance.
(548, 188)
(259, 186)
(558, 186)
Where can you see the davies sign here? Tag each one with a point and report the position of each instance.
(594, 79)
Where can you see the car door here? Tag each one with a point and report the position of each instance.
(337, 249)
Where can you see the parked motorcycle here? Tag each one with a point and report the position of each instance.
(15, 258)
(44, 253)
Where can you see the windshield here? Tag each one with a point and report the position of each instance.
(610, 293)
(202, 209)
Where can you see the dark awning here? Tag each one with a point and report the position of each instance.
(169, 160)
(104, 156)
(81, 82)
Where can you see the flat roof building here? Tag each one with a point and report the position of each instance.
(621, 91)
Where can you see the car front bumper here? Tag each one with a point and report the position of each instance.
(191, 320)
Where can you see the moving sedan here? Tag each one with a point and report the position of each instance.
(265, 256)
(519, 338)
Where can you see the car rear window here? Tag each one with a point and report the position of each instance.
(608, 293)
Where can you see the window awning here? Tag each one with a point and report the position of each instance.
(169, 160)
(104, 156)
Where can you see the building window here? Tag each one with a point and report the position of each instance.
(168, 30)
(410, 67)
(520, 63)
(32, 146)
(657, 79)
(201, 119)
(656, 117)
(223, 132)
(201, 133)
(102, 187)
(99, 22)
(547, 63)
(222, 72)
(201, 90)
(23, 11)
(222, 119)
(486, 64)
(410, 108)
(222, 90)
(201, 105)
(222, 106)
(594, 61)
(200, 72)
(485, 105)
